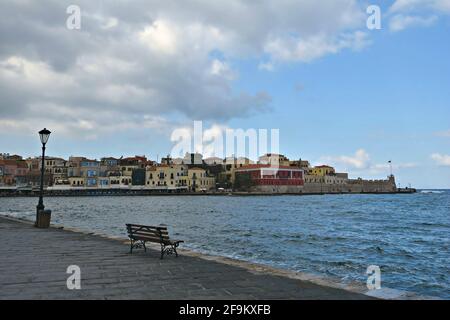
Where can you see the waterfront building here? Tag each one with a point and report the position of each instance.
(89, 169)
(193, 158)
(13, 172)
(231, 164)
(74, 166)
(269, 179)
(109, 162)
(173, 174)
(213, 161)
(199, 180)
(138, 177)
(33, 175)
(58, 167)
(76, 182)
(302, 164)
(117, 182)
(7, 156)
(177, 161)
(127, 165)
(167, 160)
(128, 170)
(274, 159)
(167, 176)
(83, 168)
(109, 166)
(323, 170)
(124, 181)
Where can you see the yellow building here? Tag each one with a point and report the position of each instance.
(180, 177)
(322, 171)
(167, 176)
(76, 181)
(127, 171)
(200, 181)
(231, 164)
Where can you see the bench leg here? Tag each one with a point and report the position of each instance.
(145, 248)
(131, 246)
(175, 250)
(162, 251)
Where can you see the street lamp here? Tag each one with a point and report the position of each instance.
(43, 135)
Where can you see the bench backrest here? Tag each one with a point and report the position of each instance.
(150, 233)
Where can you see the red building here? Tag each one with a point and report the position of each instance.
(264, 177)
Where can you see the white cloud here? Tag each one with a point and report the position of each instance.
(440, 159)
(400, 22)
(161, 36)
(308, 49)
(267, 66)
(416, 13)
(160, 59)
(361, 163)
(360, 160)
(414, 5)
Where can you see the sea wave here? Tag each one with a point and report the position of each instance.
(431, 192)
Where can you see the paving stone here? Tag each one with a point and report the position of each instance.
(34, 262)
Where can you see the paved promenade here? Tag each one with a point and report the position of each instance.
(33, 264)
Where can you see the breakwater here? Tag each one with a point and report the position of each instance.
(131, 192)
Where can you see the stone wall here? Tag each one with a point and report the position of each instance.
(353, 186)
(277, 189)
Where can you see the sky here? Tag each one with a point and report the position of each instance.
(137, 71)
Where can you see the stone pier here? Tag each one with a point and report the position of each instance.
(34, 262)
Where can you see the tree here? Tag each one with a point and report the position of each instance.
(243, 182)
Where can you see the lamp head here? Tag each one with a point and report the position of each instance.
(44, 134)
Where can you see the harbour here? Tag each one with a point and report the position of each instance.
(331, 235)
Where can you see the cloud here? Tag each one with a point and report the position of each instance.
(400, 22)
(138, 60)
(308, 49)
(416, 13)
(440, 159)
(361, 163)
(417, 5)
(360, 160)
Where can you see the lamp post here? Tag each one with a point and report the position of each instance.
(44, 135)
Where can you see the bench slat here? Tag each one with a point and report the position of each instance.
(137, 226)
(135, 235)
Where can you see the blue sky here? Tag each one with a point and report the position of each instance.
(390, 99)
(339, 93)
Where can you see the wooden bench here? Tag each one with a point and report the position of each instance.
(140, 234)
